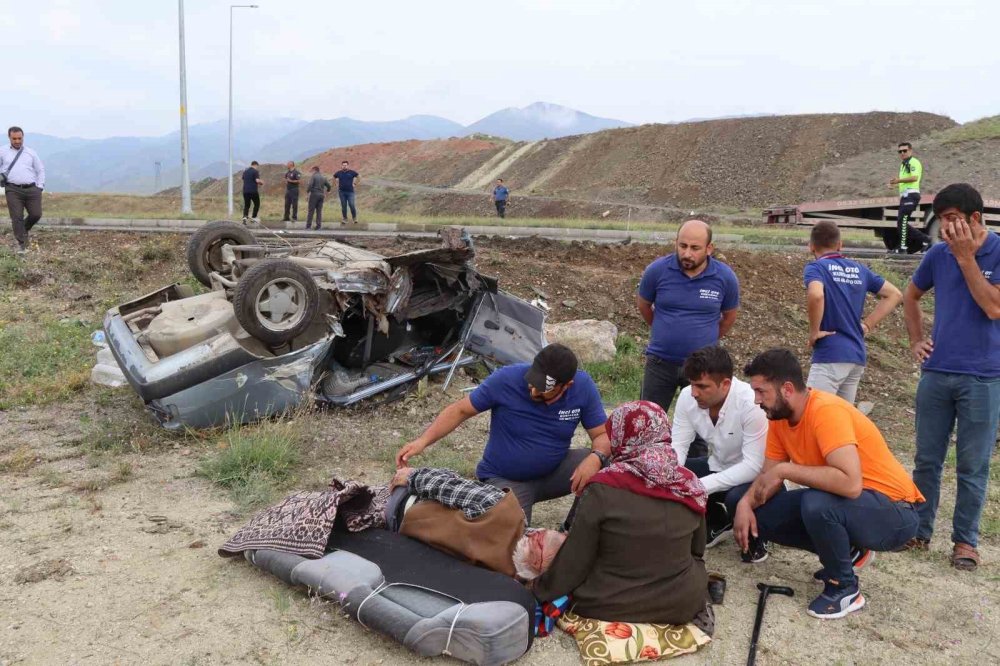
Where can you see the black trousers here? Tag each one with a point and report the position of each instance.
(501, 207)
(660, 381)
(19, 199)
(910, 238)
(292, 203)
(251, 197)
(315, 206)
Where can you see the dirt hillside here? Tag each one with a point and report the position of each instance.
(739, 162)
(965, 154)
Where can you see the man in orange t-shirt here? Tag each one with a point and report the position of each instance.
(857, 494)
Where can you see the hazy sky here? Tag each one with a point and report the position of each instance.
(97, 68)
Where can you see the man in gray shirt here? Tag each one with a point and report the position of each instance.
(317, 189)
(25, 176)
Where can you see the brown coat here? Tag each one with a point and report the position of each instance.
(487, 541)
(630, 558)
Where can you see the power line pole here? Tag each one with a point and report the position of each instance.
(157, 177)
(185, 169)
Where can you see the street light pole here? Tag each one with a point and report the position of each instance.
(185, 172)
(230, 190)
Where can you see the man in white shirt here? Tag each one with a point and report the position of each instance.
(719, 410)
(25, 176)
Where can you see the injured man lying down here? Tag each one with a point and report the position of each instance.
(468, 519)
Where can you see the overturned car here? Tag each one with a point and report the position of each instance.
(285, 321)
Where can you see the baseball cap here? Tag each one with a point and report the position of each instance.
(556, 364)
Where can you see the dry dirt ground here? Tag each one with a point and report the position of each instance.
(111, 534)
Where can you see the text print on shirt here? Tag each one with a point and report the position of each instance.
(709, 294)
(845, 274)
(569, 414)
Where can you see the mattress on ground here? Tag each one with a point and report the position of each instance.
(423, 598)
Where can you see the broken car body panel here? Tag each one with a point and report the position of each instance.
(382, 322)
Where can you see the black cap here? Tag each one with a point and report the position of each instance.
(556, 364)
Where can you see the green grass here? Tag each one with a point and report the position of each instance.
(43, 361)
(984, 128)
(254, 462)
(619, 380)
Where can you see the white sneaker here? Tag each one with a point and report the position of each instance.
(255, 220)
(244, 220)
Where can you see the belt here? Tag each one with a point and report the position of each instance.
(20, 185)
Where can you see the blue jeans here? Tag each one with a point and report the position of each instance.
(829, 525)
(347, 199)
(974, 402)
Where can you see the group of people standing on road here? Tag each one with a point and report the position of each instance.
(316, 188)
(780, 456)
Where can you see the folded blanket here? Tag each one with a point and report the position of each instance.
(619, 642)
(301, 523)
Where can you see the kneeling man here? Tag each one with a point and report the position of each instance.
(719, 410)
(534, 410)
(858, 494)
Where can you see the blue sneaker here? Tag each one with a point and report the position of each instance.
(860, 558)
(836, 601)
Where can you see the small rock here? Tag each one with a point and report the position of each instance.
(540, 293)
(200, 543)
(866, 407)
(569, 303)
(157, 519)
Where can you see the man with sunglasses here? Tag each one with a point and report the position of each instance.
(910, 239)
(534, 411)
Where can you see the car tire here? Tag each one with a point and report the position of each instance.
(933, 229)
(204, 250)
(276, 300)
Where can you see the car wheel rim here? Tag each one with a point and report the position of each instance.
(213, 255)
(281, 304)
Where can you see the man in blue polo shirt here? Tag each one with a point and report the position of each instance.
(961, 365)
(534, 411)
(690, 301)
(836, 288)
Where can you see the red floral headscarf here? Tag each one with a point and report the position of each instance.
(642, 459)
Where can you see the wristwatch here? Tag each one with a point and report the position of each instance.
(603, 458)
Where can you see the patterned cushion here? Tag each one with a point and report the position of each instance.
(619, 642)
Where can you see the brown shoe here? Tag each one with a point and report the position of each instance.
(916, 543)
(964, 557)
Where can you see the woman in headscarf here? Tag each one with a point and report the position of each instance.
(635, 550)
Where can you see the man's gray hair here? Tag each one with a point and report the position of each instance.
(527, 566)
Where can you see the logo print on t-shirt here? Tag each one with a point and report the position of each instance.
(709, 294)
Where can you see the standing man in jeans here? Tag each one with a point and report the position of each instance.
(25, 176)
(689, 300)
(251, 191)
(292, 178)
(961, 365)
(317, 189)
(346, 180)
(857, 495)
(836, 289)
(911, 171)
(499, 196)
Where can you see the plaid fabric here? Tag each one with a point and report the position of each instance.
(446, 487)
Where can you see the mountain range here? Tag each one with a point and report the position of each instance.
(129, 164)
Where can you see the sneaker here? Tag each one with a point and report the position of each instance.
(898, 250)
(836, 601)
(861, 557)
(245, 220)
(717, 534)
(757, 552)
(21, 250)
(926, 245)
(255, 220)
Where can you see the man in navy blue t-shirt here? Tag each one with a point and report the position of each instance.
(689, 300)
(836, 288)
(961, 365)
(534, 411)
(346, 180)
(500, 196)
